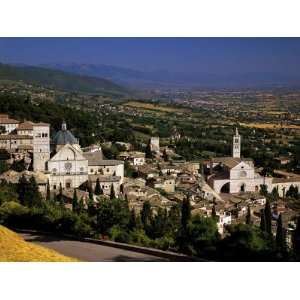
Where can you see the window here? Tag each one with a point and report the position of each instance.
(54, 170)
(54, 186)
(81, 170)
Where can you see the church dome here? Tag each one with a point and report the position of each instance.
(64, 136)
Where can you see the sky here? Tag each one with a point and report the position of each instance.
(208, 55)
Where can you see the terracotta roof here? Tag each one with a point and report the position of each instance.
(94, 158)
(230, 162)
(8, 121)
(25, 126)
(15, 137)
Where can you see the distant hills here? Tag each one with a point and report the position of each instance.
(61, 80)
(167, 79)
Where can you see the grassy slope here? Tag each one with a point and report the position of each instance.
(14, 249)
(61, 80)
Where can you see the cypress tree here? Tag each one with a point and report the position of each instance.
(132, 220)
(48, 194)
(262, 220)
(98, 189)
(75, 201)
(90, 189)
(146, 215)
(248, 216)
(185, 212)
(21, 189)
(268, 217)
(280, 235)
(148, 151)
(112, 192)
(213, 212)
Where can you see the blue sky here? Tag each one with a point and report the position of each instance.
(212, 55)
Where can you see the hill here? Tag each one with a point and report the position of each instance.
(62, 80)
(184, 79)
(14, 249)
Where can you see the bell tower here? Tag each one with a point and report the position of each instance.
(41, 146)
(236, 145)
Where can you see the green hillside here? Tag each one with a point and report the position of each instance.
(62, 80)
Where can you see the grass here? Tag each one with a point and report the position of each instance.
(13, 248)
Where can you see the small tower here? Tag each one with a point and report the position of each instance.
(41, 146)
(236, 145)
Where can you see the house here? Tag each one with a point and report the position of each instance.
(7, 124)
(135, 158)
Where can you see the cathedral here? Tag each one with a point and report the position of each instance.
(66, 164)
(235, 174)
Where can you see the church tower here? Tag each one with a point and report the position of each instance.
(236, 145)
(41, 146)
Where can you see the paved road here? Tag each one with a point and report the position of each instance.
(88, 251)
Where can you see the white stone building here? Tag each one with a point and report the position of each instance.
(235, 174)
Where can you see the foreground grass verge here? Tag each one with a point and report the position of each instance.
(13, 248)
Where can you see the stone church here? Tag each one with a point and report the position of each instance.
(235, 174)
(69, 166)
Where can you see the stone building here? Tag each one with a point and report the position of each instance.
(235, 174)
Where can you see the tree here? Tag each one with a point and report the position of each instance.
(185, 212)
(263, 190)
(159, 224)
(275, 195)
(112, 212)
(98, 189)
(268, 216)
(248, 216)
(28, 192)
(246, 243)
(262, 220)
(112, 192)
(90, 190)
(146, 216)
(202, 236)
(80, 208)
(48, 193)
(148, 151)
(213, 212)
(132, 221)
(75, 201)
(280, 236)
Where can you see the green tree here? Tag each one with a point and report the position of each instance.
(148, 151)
(48, 193)
(280, 236)
(28, 192)
(98, 189)
(185, 212)
(248, 216)
(146, 216)
(75, 201)
(262, 220)
(132, 221)
(112, 192)
(112, 212)
(268, 216)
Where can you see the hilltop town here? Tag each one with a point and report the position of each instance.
(229, 188)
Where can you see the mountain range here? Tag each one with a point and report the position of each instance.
(167, 79)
